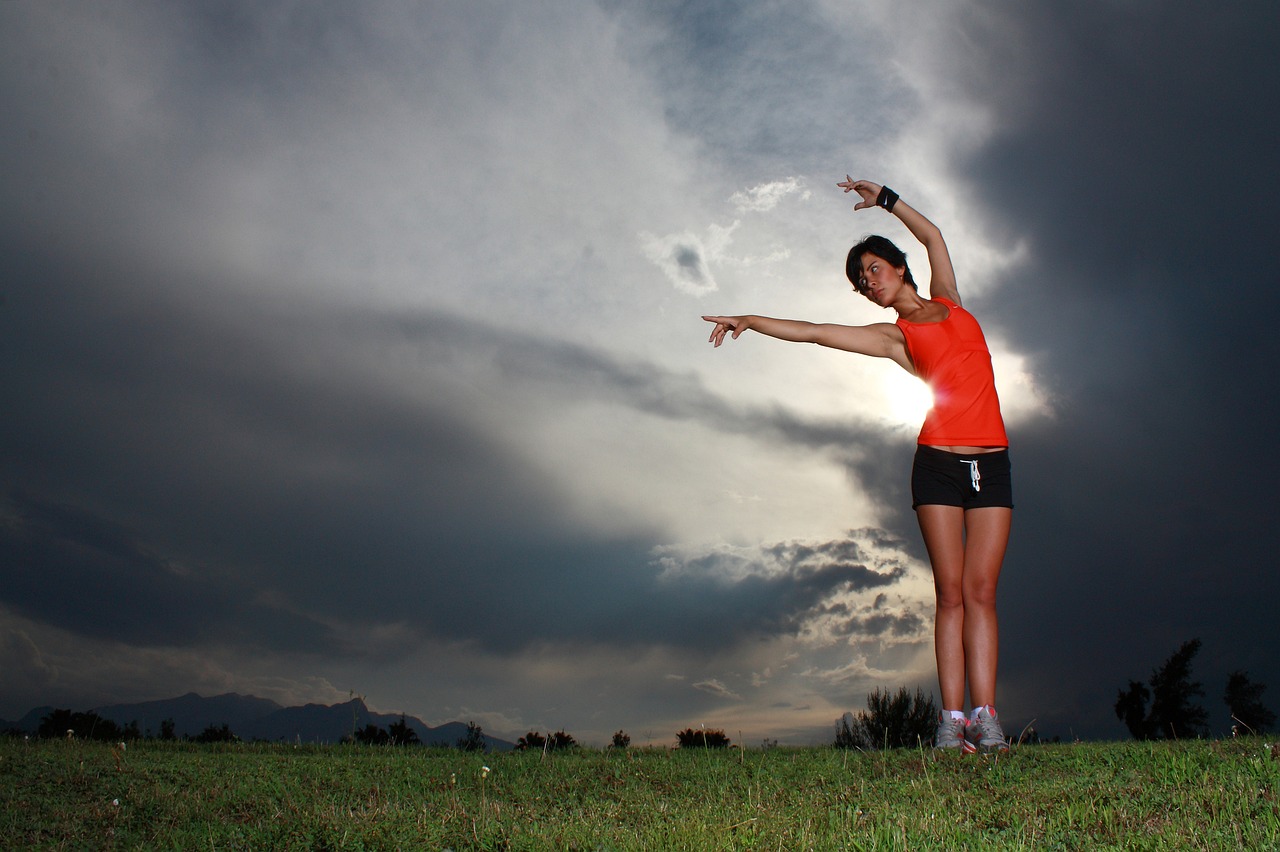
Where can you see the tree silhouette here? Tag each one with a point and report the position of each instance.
(371, 735)
(1131, 708)
(898, 720)
(474, 739)
(1244, 698)
(1173, 712)
(621, 739)
(85, 726)
(401, 734)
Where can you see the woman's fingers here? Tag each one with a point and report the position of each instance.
(864, 188)
(722, 325)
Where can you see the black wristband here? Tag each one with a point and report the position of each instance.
(887, 198)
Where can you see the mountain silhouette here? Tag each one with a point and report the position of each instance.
(253, 718)
(191, 713)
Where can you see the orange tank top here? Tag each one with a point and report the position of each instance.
(953, 359)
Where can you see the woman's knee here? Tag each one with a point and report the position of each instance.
(951, 597)
(980, 594)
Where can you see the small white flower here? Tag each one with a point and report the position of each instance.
(115, 802)
(484, 771)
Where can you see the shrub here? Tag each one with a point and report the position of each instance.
(216, 734)
(561, 740)
(898, 720)
(401, 734)
(534, 741)
(372, 735)
(85, 726)
(702, 738)
(621, 740)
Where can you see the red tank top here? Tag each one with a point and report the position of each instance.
(953, 359)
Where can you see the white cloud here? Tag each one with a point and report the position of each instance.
(766, 196)
(716, 688)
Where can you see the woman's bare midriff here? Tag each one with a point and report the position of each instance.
(967, 451)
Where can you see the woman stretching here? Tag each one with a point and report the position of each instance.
(960, 484)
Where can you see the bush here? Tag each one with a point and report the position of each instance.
(702, 738)
(401, 734)
(372, 735)
(899, 720)
(84, 726)
(216, 734)
(621, 740)
(561, 740)
(534, 741)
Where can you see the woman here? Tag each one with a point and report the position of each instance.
(960, 483)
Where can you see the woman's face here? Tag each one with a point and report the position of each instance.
(880, 280)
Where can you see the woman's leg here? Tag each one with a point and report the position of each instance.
(943, 531)
(986, 537)
(966, 550)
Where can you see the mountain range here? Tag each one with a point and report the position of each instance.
(253, 718)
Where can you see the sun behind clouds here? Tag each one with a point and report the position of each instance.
(907, 399)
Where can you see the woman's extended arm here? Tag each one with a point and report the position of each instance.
(942, 277)
(881, 340)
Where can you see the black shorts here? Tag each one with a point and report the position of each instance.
(973, 481)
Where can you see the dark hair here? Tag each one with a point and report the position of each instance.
(881, 248)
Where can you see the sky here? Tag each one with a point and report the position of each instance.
(355, 350)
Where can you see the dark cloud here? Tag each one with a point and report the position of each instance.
(1131, 153)
(689, 261)
(740, 77)
(24, 664)
(180, 474)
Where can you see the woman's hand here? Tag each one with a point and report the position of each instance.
(868, 190)
(724, 325)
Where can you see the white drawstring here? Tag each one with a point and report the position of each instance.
(974, 475)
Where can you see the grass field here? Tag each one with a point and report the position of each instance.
(1202, 794)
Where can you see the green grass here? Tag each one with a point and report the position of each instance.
(1180, 795)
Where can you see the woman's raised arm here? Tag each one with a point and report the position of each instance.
(942, 277)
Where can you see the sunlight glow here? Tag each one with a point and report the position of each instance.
(908, 399)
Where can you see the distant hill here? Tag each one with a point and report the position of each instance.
(28, 723)
(191, 713)
(252, 718)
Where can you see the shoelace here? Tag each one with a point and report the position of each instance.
(974, 475)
